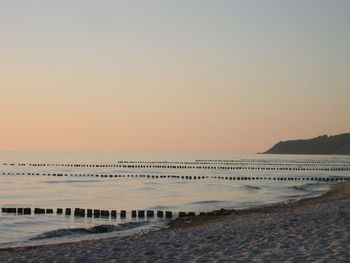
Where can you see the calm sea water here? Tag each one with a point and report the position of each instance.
(143, 181)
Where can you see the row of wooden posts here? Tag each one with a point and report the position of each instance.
(143, 164)
(189, 177)
(97, 213)
(291, 167)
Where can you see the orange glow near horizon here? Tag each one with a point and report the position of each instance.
(122, 78)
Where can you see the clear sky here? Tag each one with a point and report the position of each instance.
(172, 76)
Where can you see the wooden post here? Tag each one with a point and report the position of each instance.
(49, 211)
(114, 213)
(82, 212)
(89, 212)
(141, 213)
(11, 210)
(76, 211)
(39, 211)
(150, 213)
(97, 213)
(122, 213)
(105, 213)
(168, 214)
(27, 211)
(182, 214)
(160, 214)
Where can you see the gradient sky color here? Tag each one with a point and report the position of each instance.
(172, 76)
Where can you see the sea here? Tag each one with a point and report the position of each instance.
(145, 181)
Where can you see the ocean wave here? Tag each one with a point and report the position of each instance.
(299, 187)
(160, 207)
(151, 183)
(99, 229)
(179, 182)
(146, 188)
(206, 202)
(70, 181)
(252, 187)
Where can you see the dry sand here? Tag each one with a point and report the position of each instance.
(311, 230)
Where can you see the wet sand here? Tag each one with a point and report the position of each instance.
(310, 230)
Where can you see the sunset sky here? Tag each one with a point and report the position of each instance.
(172, 76)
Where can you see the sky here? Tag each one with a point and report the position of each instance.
(193, 76)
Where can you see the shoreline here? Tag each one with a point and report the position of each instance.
(192, 221)
(332, 209)
(336, 192)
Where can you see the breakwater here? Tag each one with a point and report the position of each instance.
(189, 177)
(262, 166)
(96, 213)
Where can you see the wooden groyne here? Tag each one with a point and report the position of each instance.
(110, 214)
(207, 165)
(192, 177)
(82, 212)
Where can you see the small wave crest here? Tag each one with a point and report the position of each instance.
(99, 229)
(70, 181)
(206, 202)
(161, 207)
(151, 183)
(252, 187)
(146, 188)
(299, 187)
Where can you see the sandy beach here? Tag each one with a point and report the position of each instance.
(310, 230)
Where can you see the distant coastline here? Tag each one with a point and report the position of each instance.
(332, 145)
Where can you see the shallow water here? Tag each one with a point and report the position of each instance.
(69, 180)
